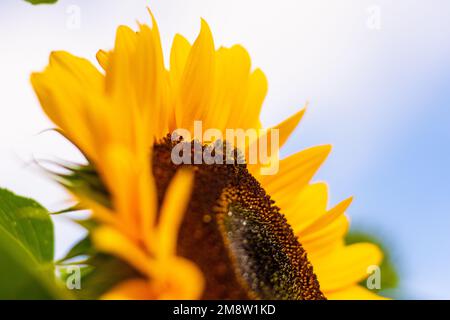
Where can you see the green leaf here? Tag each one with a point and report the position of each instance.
(29, 223)
(26, 250)
(41, 1)
(21, 276)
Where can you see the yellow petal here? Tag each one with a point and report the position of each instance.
(65, 90)
(120, 88)
(178, 57)
(309, 205)
(151, 83)
(111, 241)
(284, 130)
(117, 172)
(102, 58)
(294, 174)
(137, 81)
(134, 289)
(129, 181)
(172, 211)
(325, 220)
(257, 91)
(119, 75)
(78, 69)
(231, 90)
(197, 81)
(346, 266)
(327, 239)
(288, 126)
(354, 293)
(181, 280)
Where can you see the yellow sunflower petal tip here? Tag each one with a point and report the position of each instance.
(373, 251)
(288, 126)
(320, 152)
(343, 205)
(154, 23)
(204, 23)
(102, 58)
(205, 30)
(325, 150)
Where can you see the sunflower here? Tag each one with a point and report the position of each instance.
(220, 231)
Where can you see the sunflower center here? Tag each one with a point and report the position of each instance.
(236, 235)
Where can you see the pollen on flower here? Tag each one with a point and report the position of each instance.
(236, 235)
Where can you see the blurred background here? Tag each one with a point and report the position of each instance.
(376, 75)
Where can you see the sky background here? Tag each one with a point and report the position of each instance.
(376, 75)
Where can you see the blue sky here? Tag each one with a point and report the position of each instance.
(380, 96)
